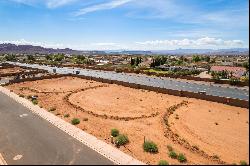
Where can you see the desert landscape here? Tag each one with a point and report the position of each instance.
(205, 132)
(12, 70)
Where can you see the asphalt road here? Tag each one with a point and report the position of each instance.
(167, 83)
(28, 139)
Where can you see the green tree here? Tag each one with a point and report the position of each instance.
(196, 58)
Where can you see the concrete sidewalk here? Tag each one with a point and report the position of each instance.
(2, 161)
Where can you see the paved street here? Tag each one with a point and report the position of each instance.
(168, 83)
(28, 139)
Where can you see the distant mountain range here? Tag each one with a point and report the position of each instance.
(29, 49)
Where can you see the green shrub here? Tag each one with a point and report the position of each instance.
(163, 162)
(66, 115)
(172, 154)
(75, 121)
(243, 163)
(181, 158)
(150, 146)
(114, 132)
(35, 102)
(121, 140)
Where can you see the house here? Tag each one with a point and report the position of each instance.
(236, 71)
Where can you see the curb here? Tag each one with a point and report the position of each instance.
(106, 150)
(2, 161)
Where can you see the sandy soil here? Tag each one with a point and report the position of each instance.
(218, 129)
(229, 139)
(11, 70)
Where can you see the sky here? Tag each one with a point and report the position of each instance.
(126, 24)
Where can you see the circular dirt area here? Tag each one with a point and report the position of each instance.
(120, 101)
(217, 129)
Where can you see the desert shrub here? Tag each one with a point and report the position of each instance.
(170, 148)
(181, 158)
(35, 102)
(114, 132)
(52, 109)
(234, 81)
(121, 140)
(66, 115)
(172, 154)
(29, 97)
(150, 146)
(163, 162)
(75, 121)
(58, 114)
(21, 95)
(243, 163)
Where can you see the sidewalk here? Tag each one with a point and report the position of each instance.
(2, 161)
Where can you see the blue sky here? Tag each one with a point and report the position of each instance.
(126, 24)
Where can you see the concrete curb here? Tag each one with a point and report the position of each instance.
(106, 150)
(2, 161)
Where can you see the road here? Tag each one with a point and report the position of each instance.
(28, 139)
(167, 83)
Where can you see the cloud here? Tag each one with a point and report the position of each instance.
(205, 42)
(58, 3)
(103, 6)
(48, 3)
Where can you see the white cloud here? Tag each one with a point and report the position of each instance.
(205, 42)
(48, 3)
(103, 6)
(200, 43)
(58, 3)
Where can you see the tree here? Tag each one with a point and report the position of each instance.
(207, 59)
(246, 65)
(30, 57)
(196, 58)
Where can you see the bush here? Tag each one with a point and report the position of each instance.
(21, 95)
(150, 146)
(181, 158)
(35, 102)
(121, 140)
(234, 81)
(172, 155)
(243, 163)
(114, 132)
(75, 121)
(163, 162)
(66, 115)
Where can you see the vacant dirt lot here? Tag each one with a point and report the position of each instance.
(216, 129)
(11, 70)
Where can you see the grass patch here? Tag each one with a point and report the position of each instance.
(35, 101)
(75, 121)
(172, 154)
(243, 163)
(114, 132)
(181, 158)
(163, 162)
(150, 146)
(121, 140)
(66, 115)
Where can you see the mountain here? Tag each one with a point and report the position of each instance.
(29, 49)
